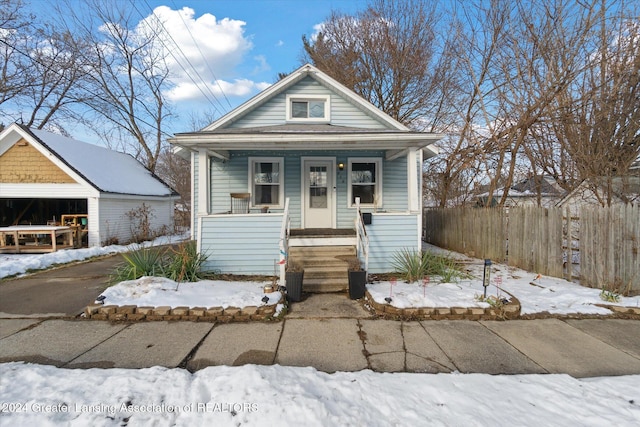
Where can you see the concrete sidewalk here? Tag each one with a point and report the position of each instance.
(581, 348)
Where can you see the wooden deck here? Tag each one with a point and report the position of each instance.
(20, 239)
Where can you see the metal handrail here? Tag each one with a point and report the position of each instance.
(362, 246)
(285, 230)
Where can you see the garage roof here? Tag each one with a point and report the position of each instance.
(104, 169)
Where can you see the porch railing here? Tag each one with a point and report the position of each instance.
(362, 240)
(285, 229)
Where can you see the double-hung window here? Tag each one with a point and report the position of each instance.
(312, 108)
(266, 179)
(365, 181)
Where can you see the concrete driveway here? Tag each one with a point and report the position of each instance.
(62, 292)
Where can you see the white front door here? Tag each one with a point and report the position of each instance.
(318, 194)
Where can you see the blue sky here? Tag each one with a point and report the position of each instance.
(238, 47)
(246, 46)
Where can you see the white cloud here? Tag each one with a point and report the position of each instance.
(205, 49)
(262, 64)
(238, 87)
(280, 43)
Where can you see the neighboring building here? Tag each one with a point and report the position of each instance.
(309, 140)
(594, 192)
(538, 190)
(44, 176)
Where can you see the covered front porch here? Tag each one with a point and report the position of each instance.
(257, 243)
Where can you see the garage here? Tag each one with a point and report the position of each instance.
(107, 197)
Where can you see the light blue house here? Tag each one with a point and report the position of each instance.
(306, 150)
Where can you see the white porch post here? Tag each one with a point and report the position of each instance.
(412, 180)
(204, 186)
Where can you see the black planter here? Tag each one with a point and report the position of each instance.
(357, 282)
(294, 285)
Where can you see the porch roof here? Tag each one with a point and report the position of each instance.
(219, 142)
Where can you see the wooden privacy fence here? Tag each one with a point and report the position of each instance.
(535, 240)
(477, 232)
(606, 239)
(610, 247)
(528, 237)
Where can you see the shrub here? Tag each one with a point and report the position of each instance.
(184, 263)
(181, 265)
(138, 263)
(413, 265)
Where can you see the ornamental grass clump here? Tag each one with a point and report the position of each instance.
(182, 264)
(138, 263)
(413, 265)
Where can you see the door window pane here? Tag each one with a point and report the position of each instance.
(318, 198)
(318, 187)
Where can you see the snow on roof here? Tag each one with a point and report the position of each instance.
(107, 170)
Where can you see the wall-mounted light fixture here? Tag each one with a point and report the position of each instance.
(340, 166)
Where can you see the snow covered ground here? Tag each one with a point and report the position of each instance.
(275, 395)
(11, 264)
(35, 395)
(536, 294)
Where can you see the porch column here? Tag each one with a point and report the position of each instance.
(412, 180)
(204, 186)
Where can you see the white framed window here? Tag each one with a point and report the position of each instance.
(266, 180)
(365, 181)
(308, 108)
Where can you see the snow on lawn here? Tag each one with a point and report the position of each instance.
(404, 295)
(158, 291)
(547, 294)
(11, 264)
(275, 395)
(536, 294)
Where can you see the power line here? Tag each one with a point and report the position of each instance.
(96, 95)
(185, 58)
(201, 54)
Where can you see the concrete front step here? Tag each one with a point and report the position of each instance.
(325, 285)
(322, 273)
(317, 251)
(320, 262)
(325, 267)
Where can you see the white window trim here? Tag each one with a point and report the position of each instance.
(327, 108)
(378, 184)
(280, 161)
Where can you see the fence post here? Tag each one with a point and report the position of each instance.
(569, 239)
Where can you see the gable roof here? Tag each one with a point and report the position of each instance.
(105, 170)
(281, 86)
(219, 138)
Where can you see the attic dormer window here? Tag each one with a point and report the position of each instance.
(312, 108)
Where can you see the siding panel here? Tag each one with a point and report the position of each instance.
(389, 233)
(273, 112)
(241, 244)
(114, 223)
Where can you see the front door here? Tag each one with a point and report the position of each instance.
(318, 197)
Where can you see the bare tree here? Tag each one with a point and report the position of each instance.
(596, 121)
(126, 64)
(389, 54)
(547, 91)
(40, 77)
(14, 63)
